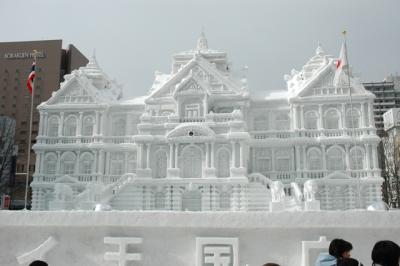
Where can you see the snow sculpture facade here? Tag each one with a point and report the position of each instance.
(200, 142)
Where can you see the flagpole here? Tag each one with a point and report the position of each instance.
(30, 134)
(352, 122)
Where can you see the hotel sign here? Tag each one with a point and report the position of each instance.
(24, 55)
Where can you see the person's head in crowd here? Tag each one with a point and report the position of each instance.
(385, 253)
(340, 248)
(270, 264)
(348, 262)
(38, 263)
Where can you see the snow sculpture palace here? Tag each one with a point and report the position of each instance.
(200, 141)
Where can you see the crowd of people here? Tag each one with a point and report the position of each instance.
(384, 253)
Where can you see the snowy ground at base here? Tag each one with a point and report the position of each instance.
(169, 238)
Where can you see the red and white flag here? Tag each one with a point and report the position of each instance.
(342, 68)
(31, 78)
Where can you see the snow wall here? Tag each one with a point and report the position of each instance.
(187, 238)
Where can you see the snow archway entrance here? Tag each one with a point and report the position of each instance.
(192, 162)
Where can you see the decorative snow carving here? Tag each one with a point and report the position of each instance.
(277, 192)
(38, 253)
(217, 251)
(310, 189)
(122, 257)
(298, 195)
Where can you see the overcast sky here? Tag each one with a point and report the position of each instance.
(133, 39)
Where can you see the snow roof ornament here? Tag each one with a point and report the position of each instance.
(202, 44)
(319, 50)
(88, 85)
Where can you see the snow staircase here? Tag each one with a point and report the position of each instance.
(259, 197)
(130, 197)
(291, 204)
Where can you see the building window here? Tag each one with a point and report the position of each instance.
(88, 125)
(68, 163)
(192, 110)
(282, 161)
(132, 163)
(311, 120)
(70, 126)
(335, 159)
(86, 163)
(314, 160)
(282, 122)
(357, 159)
(332, 119)
(117, 163)
(118, 126)
(52, 127)
(50, 164)
(353, 119)
(263, 160)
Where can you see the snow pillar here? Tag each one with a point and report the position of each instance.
(77, 163)
(344, 115)
(273, 159)
(58, 170)
(374, 156)
(96, 159)
(362, 116)
(241, 155)
(79, 127)
(38, 162)
(148, 152)
(101, 162)
(212, 155)
(304, 147)
(302, 116)
(207, 155)
(176, 154)
(96, 124)
(40, 131)
(233, 162)
(368, 157)
(321, 117)
(171, 155)
(371, 114)
(297, 159)
(295, 116)
(323, 157)
(61, 124)
(347, 157)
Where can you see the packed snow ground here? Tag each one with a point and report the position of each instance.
(169, 238)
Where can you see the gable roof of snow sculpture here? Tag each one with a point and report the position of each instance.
(198, 73)
(318, 73)
(88, 85)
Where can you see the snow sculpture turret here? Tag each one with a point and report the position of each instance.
(202, 44)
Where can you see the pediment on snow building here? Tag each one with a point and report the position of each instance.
(197, 73)
(191, 133)
(73, 91)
